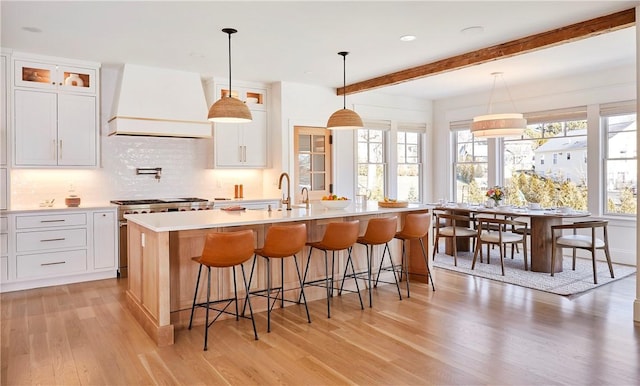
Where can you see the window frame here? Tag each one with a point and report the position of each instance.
(608, 111)
(419, 130)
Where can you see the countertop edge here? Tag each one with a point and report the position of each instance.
(181, 221)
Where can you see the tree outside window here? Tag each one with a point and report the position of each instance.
(471, 179)
(562, 182)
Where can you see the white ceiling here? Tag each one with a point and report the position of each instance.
(298, 41)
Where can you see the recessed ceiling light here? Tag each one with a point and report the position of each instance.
(407, 38)
(32, 29)
(475, 30)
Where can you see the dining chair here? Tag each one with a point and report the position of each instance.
(500, 237)
(455, 226)
(575, 241)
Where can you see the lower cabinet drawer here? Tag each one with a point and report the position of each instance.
(51, 220)
(43, 240)
(57, 263)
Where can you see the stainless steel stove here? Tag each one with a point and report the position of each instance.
(152, 205)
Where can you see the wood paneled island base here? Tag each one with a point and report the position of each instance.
(162, 275)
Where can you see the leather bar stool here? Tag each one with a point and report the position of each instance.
(282, 241)
(337, 236)
(379, 231)
(416, 226)
(224, 250)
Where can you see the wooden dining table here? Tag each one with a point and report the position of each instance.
(540, 227)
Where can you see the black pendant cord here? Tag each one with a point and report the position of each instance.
(229, 31)
(344, 78)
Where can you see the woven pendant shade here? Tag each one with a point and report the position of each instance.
(498, 125)
(344, 119)
(229, 110)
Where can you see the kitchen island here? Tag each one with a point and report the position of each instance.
(162, 275)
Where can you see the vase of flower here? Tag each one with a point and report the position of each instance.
(495, 195)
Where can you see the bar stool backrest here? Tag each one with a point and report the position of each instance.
(284, 240)
(226, 249)
(416, 225)
(381, 230)
(341, 235)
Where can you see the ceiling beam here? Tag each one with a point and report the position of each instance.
(567, 34)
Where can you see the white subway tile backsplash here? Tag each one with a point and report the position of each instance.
(185, 167)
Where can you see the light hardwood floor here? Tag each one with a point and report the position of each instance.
(470, 331)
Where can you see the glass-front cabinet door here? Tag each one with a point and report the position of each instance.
(54, 77)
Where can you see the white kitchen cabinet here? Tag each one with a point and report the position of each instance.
(4, 101)
(53, 129)
(48, 247)
(4, 249)
(104, 240)
(242, 145)
(4, 191)
(55, 114)
(4, 138)
(54, 76)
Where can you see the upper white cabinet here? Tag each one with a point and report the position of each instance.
(55, 120)
(243, 145)
(52, 76)
(4, 139)
(4, 102)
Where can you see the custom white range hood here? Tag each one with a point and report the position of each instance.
(161, 103)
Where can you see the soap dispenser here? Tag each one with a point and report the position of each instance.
(72, 200)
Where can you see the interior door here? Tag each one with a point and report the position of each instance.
(312, 149)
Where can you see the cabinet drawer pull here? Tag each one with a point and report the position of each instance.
(58, 239)
(52, 220)
(55, 263)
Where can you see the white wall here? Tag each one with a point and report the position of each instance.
(618, 84)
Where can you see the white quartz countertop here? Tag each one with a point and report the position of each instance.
(176, 221)
(58, 207)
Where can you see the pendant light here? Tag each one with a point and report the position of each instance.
(499, 125)
(344, 119)
(228, 109)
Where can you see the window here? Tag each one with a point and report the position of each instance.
(409, 165)
(620, 131)
(563, 180)
(471, 165)
(371, 163)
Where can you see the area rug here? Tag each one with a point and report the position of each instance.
(567, 282)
